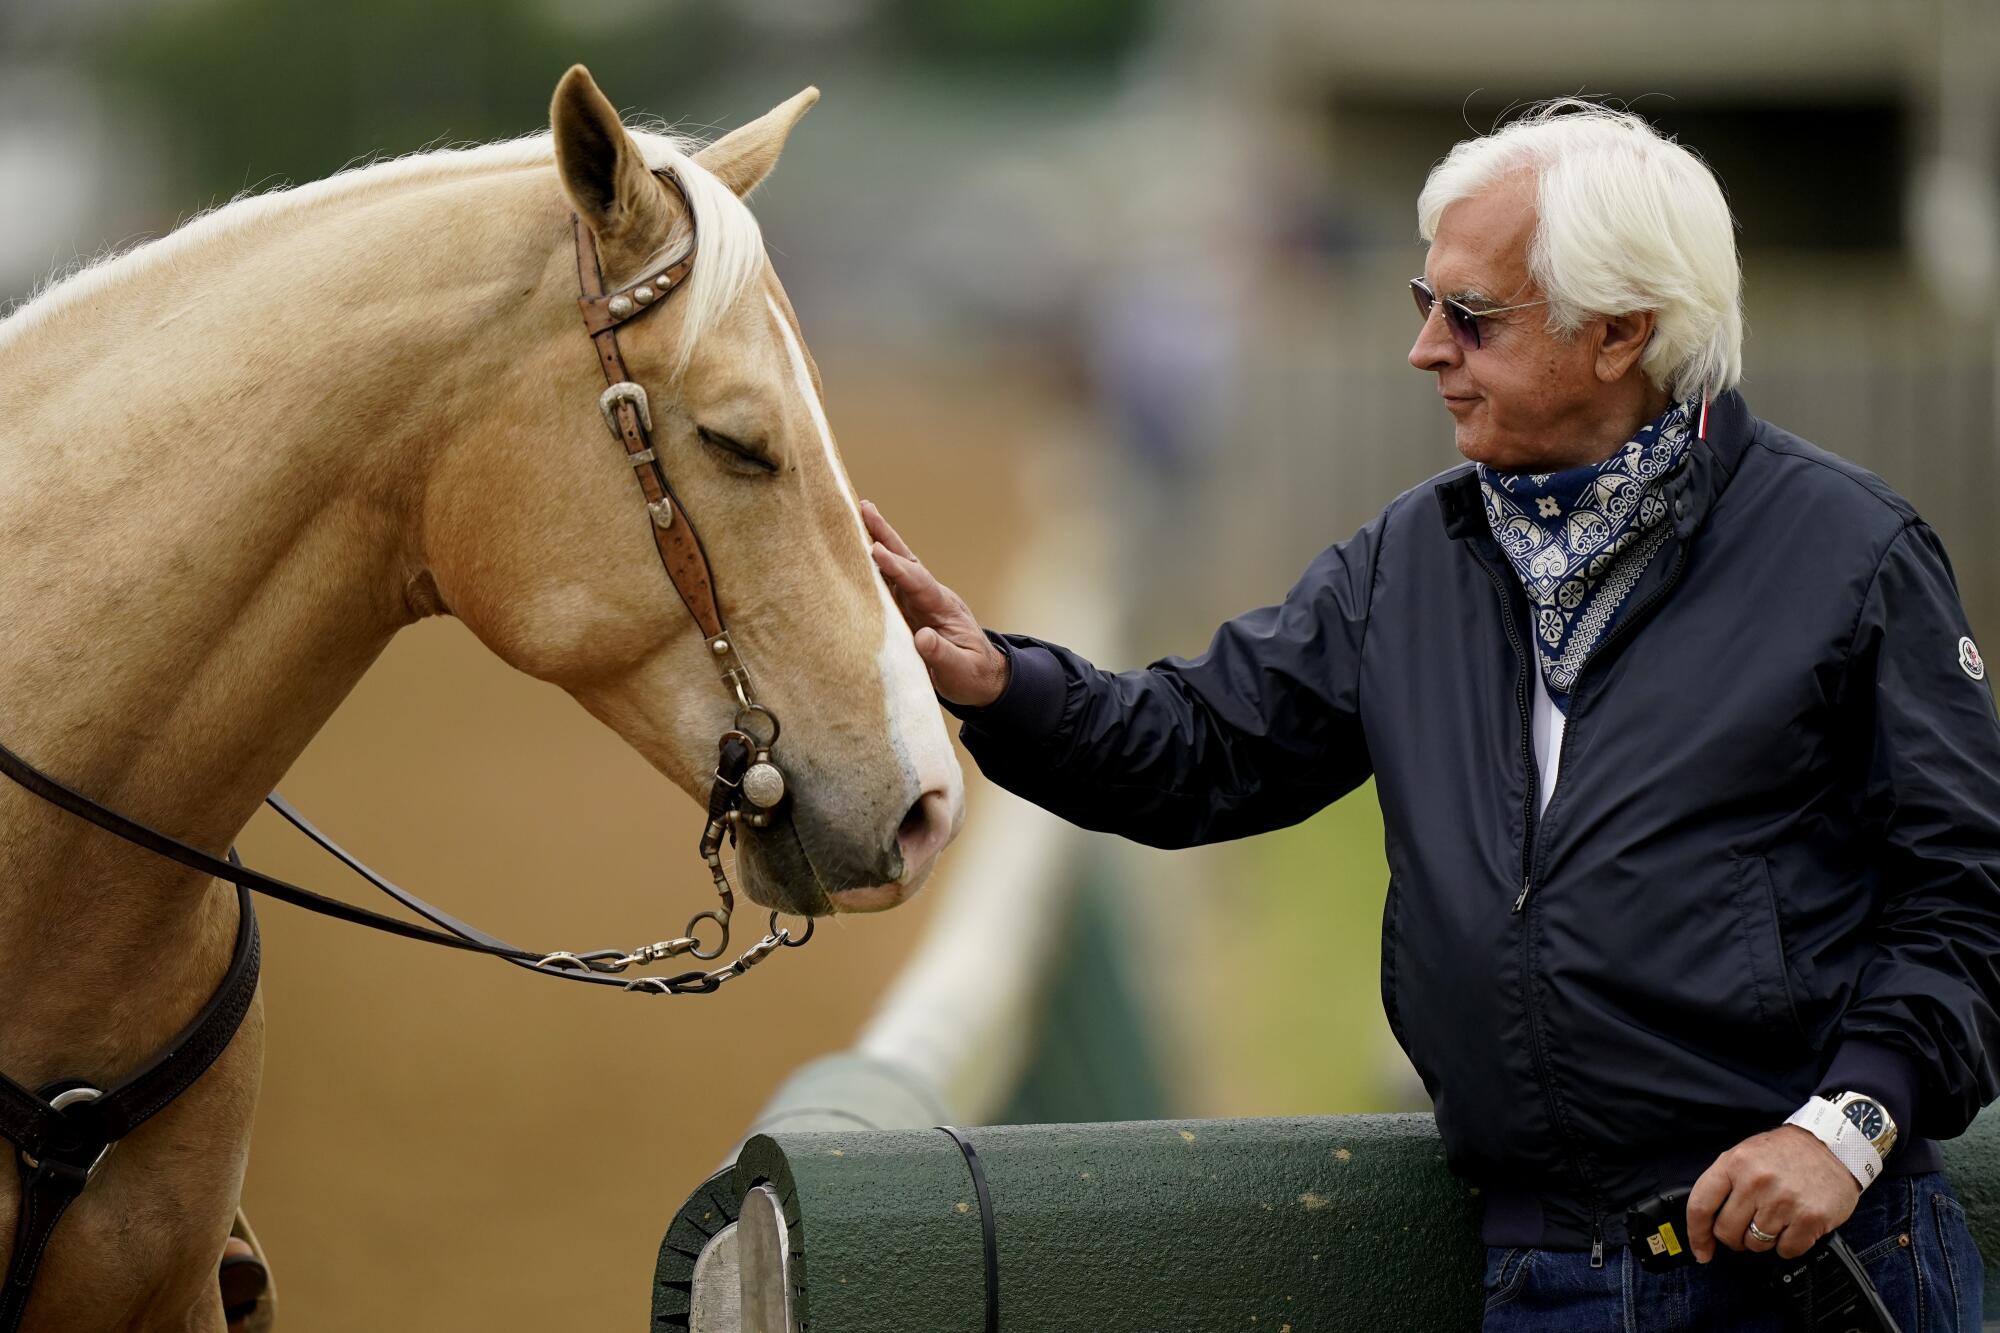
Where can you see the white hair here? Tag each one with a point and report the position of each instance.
(732, 246)
(1627, 220)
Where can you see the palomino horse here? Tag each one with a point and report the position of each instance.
(238, 460)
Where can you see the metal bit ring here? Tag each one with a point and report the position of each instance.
(721, 921)
(784, 936)
(749, 712)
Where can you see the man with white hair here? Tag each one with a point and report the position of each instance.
(1689, 775)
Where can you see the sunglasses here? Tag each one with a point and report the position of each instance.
(1461, 319)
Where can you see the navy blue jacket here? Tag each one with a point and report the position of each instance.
(1770, 866)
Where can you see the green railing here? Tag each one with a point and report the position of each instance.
(1326, 1224)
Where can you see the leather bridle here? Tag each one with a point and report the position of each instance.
(744, 774)
(63, 1131)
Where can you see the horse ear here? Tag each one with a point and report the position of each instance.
(742, 158)
(601, 168)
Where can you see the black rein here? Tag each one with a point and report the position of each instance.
(461, 935)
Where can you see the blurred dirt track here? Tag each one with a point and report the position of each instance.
(446, 1143)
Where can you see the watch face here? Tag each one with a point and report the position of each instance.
(1867, 1118)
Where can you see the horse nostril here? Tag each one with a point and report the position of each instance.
(915, 824)
(923, 831)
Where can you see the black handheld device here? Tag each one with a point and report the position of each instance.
(1826, 1288)
(1823, 1291)
(1657, 1231)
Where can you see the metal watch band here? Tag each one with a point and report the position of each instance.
(1820, 1118)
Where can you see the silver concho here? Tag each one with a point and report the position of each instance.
(763, 785)
(621, 306)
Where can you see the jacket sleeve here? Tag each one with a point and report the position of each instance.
(1258, 732)
(1927, 1007)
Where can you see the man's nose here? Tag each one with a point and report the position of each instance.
(1434, 348)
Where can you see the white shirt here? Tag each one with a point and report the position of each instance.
(1546, 725)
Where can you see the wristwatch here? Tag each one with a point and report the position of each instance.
(1856, 1127)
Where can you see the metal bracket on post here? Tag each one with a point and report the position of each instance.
(763, 1263)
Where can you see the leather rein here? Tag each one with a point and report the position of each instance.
(63, 1131)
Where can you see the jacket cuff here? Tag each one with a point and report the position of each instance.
(1031, 702)
(1884, 1073)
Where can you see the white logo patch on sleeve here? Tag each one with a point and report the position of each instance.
(1970, 660)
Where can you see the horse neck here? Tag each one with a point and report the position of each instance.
(206, 514)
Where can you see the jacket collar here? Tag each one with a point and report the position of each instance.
(1692, 490)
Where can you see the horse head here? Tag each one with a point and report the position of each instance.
(537, 538)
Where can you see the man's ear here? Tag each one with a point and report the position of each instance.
(602, 171)
(1625, 340)
(742, 158)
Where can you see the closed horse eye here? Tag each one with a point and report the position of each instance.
(747, 453)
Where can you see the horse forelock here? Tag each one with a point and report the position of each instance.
(732, 244)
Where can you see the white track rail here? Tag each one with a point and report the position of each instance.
(955, 1028)
(950, 1040)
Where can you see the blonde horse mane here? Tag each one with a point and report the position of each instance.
(732, 246)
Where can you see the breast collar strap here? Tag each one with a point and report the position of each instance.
(62, 1133)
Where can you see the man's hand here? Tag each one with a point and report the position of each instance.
(1786, 1181)
(965, 667)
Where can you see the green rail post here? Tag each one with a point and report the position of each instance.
(1328, 1223)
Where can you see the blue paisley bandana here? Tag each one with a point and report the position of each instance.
(1580, 539)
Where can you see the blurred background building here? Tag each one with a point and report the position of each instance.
(1141, 260)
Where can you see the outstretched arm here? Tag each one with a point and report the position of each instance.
(1258, 732)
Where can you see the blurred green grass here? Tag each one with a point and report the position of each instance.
(1310, 1018)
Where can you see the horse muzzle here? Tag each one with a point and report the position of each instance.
(808, 862)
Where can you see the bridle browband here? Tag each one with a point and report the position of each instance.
(63, 1131)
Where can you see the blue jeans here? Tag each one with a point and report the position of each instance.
(1908, 1232)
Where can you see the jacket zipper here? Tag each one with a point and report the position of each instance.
(1523, 665)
